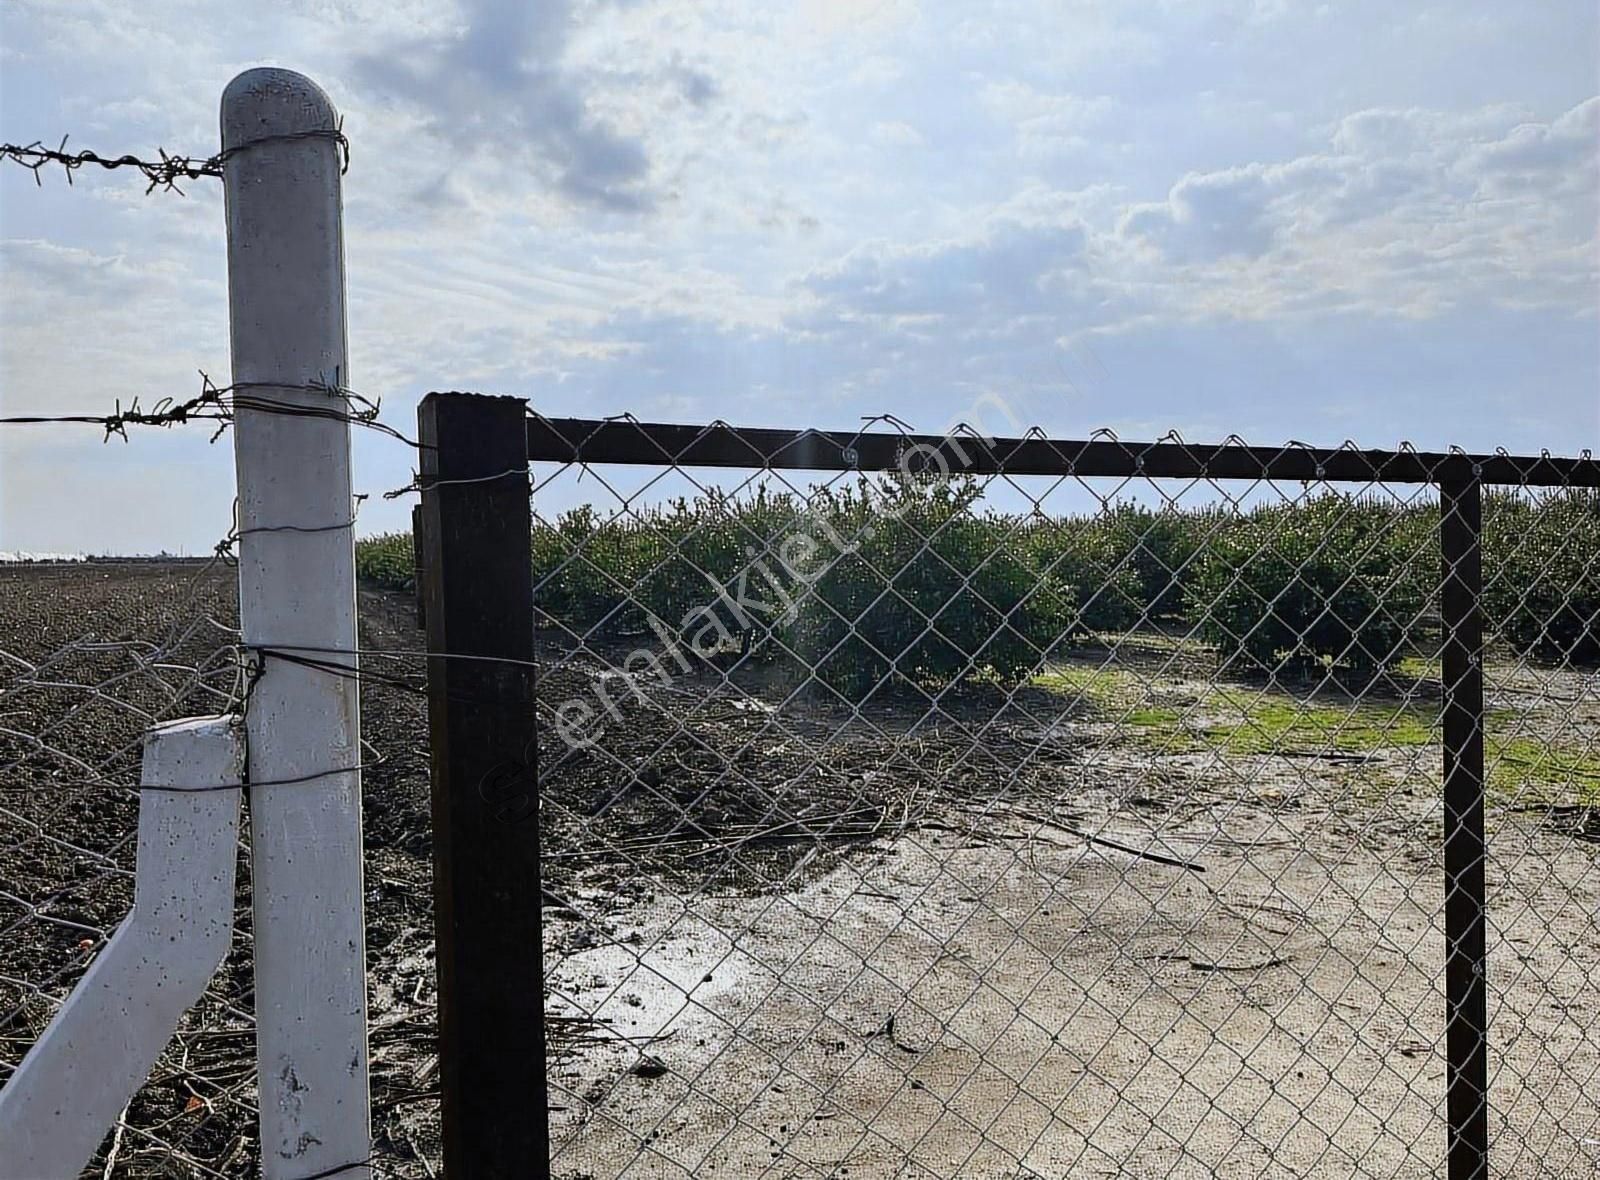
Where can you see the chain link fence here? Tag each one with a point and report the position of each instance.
(92, 654)
(892, 823)
(1037, 824)
(1541, 572)
(91, 657)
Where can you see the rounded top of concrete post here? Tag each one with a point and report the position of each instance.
(271, 101)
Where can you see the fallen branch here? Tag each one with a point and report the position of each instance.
(1090, 837)
(1325, 755)
(116, 1145)
(886, 1029)
(1203, 965)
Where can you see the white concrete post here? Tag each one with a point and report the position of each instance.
(297, 589)
(74, 1082)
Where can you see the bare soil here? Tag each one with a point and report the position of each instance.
(1062, 1008)
(791, 939)
(128, 643)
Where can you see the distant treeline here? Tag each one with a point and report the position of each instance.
(918, 580)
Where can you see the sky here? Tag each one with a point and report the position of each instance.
(1320, 222)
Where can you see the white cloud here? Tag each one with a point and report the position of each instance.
(1556, 159)
(1405, 212)
(1044, 124)
(84, 329)
(830, 19)
(502, 87)
(818, 210)
(1009, 269)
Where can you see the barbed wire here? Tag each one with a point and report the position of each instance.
(167, 169)
(1308, 802)
(71, 727)
(220, 403)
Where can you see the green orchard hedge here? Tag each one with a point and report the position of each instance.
(1541, 573)
(925, 591)
(386, 561)
(1318, 581)
(915, 581)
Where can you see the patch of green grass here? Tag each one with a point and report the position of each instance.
(1527, 770)
(1239, 721)
(1252, 723)
(1094, 684)
(1118, 693)
(1268, 725)
(1161, 730)
(1121, 698)
(1154, 718)
(1418, 668)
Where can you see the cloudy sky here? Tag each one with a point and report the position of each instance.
(1312, 221)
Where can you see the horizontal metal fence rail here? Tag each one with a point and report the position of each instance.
(1460, 479)
(622, 441)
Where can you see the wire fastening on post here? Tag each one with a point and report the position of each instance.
(165, 171)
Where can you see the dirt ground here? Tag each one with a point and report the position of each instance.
(128, 640)
(794, 941)
(1063, 1009)
(1143, 927)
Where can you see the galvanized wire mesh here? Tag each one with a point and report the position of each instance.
(1541, 573)
(1017, 825)
(1046, 825)
(90, 658)
(91, 654)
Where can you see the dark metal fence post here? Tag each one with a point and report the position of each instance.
(477, 576)
(1467, 1021)
(417, 546)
